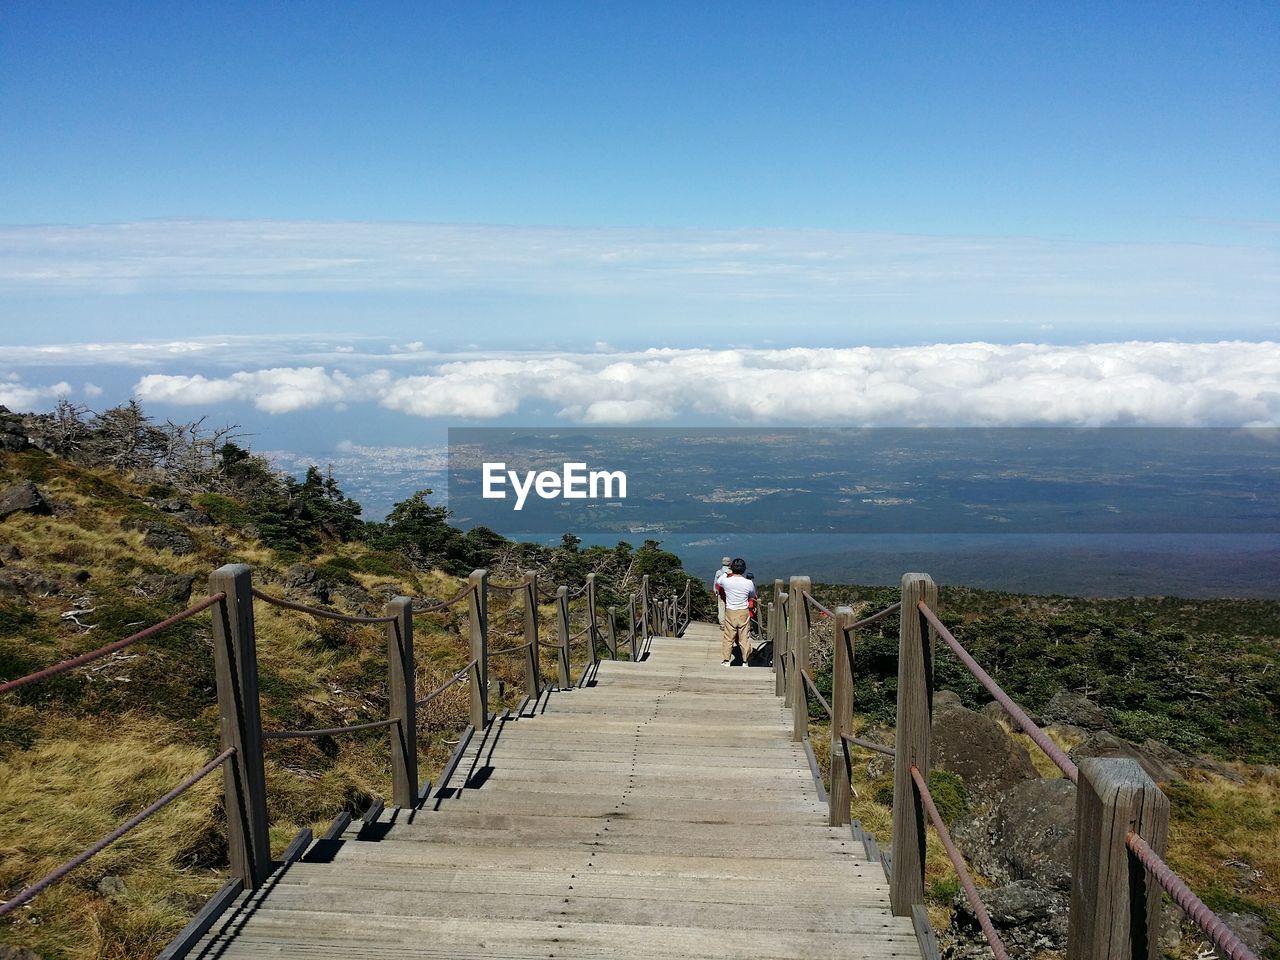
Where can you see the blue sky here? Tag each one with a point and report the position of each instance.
(1098, 121)
(272, 181)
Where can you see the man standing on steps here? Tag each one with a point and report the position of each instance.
(736, 593)
(715, 585)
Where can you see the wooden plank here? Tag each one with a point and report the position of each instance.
(667, 818)
(915, 711)
(793, 865)
(478, 622)
(797, 809)
(643, 908)
(515, 827)
(443, 783)
(708, 845)
(841, 718)
(372, 878)
(483, 936)
(815, 771)
(297, 847)
(402, 702)
(201, 923)
(235, 660)
(925, 936)
(798, 644)
(339, 825)
(1115, 907)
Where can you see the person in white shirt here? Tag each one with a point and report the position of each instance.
(715, 585)
(736, 592)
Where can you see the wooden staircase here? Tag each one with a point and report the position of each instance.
(661, 812)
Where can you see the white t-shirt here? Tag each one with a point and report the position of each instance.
(737, 590)
(720, 575)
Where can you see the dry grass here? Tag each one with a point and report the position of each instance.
(68, 791)
(68, 777)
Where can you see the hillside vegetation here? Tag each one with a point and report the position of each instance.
(135, 516)
(133, 520)
(1192, 685)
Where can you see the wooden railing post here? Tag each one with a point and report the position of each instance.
(402, 698)
(593, 625)
(778, 628)
(841, 718)
(645, 613)
(244, 781)
(478, 604)
(631, 627)
(766, 624)
(562, 629)
(915, 714)
(1115, 905)
(532, 669)
(611, 636)
(798, 644)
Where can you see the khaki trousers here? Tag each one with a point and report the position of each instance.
(736, 629)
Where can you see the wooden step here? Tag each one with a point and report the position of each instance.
(662, 813)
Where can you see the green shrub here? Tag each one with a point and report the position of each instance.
(944, 890)
(223, 509)
(949, 795)
(384, 563)
(335, 573)
(345, 563)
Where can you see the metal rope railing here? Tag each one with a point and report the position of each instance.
(448, 683)
(86, 658)
(957, 861)
(328, 731)
(506, 587)
(869, 745)
(441, 604)
(813, 601)
(1217, 931)
(813, 688)
(32, 891)
(317, 611)
(1195, 908)
(508, 650)
(880, 615)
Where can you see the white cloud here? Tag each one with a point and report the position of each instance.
(273, 390)
(1152, 383)
(92, 391)
(21, 398)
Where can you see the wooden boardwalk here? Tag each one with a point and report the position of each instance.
(662, 812)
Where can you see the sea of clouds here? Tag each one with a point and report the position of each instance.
(945, 384)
